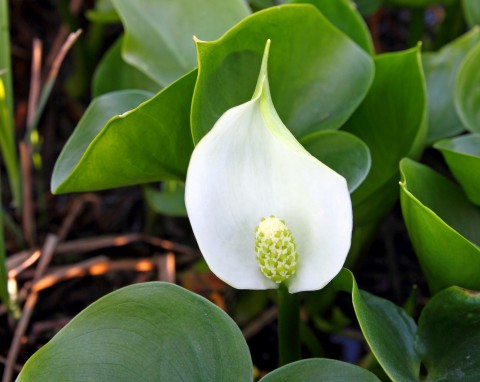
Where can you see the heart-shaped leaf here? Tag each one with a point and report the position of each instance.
(392, 122)
(441, 70)
(344, 15)
(149, 332)
(471, 10)
(388, 329)
(342, 152)
(462, 155)
(309, 58)
(150, 143)
(467, 91)
(320, 369)
(158, 38)
(443, 227)
(449, 334)
(113, 73)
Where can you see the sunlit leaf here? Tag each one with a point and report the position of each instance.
(443, 227)
(118, 143)
(145, 332)
(441, 70)
(158, 38)
(471, 10)
(343, 14)
(462, 155)
(317, 75)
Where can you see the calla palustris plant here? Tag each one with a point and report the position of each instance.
(264, 211)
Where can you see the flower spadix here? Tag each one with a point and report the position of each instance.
(263, 210)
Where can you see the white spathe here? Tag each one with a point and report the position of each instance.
(250, 166)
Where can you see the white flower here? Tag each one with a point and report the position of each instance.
(250, 167)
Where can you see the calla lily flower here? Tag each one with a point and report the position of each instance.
(263, 210)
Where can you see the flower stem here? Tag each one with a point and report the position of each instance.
(288, 326)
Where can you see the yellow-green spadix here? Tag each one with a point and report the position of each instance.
(248, 168)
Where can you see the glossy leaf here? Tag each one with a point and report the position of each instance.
(320, 369)
(449, 334)
(158, 38)
(342, 152)
(344, 15)
(169, 201)
(150, 332)
(467, 91)
(113, 73)
(317, 75)
(443, 227)
(388, 329)
(150, 143)
(441, 70)
(462, 155)
(392, 122)
(471, 10)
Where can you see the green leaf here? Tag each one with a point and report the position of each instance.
(462, 155)
(471, 9)
(388, 329)
(145, 332)
(158, 38)
(170, 200)
(103, 13)
(320, 369)
(342, 152)
(113, 73)
(449, 334)
(344, 15)
(443, 227)
(149, 143)
(392, 122)
(441, 70)
(367, 7)
(467, 91)
(317, 75)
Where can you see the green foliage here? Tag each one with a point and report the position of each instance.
(146, 143)
(151, 332)
(315, 369)
(113, 73)
(471, 9)
(467, 91)
(443, 227)
(341, 151)
(392, 122)
(169, 200)
(462, 155)
(310, 89)
(441, 69)
(158, 34)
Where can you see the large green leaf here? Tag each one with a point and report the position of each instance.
(392, 122)
(320, 369)
(471, 9)
(152, 142)
(145, 332)
(388, 329)
(449, 336)
(113, 73)
(467, 91)
(342, 152)
(158, 38)
(344, 15)
(317, 75)
(441, 70)
(462, 155)
(443, 227)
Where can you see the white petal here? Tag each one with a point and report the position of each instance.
(249, 166)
